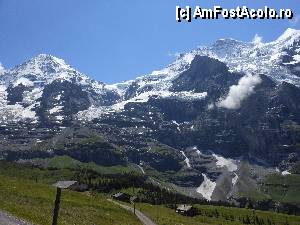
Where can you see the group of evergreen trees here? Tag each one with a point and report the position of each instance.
(269, 205)
(146, 191)
(251, 219)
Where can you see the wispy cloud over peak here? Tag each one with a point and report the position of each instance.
(2, 70)
(257, 39)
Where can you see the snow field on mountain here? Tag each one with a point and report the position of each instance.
(186, 159)
(206, 188)
(230, 164)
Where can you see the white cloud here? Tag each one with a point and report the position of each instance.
(237, 93)
(2, 70)
(210, 106)
(257, 39)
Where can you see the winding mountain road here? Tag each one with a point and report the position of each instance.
(6, 219)
(142, 217)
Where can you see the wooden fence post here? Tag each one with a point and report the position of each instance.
(56, 206)
(59, 186)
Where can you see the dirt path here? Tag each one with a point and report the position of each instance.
(142, 217)
(6, 219)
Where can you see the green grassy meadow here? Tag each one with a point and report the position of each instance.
(27, 192)
(216, 215)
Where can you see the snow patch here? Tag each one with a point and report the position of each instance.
(58, 97)
(175, 122)
(177, 125)
(296, 58)
(206, 188)
(59, 118)
(197, 150)
(95, 112)
(187, 160)
(24, 81)
(15, 113)
(141, 168)
(230, 164)
(28, 113)
(55, 109)
(31, 97)
(284, 173)
(234, 179)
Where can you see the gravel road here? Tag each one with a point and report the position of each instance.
(6, 219)
(142, 217)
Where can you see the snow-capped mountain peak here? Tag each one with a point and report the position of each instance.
(278, 59)
(289, 36)
(263, 58)
(46, 83)
(248, 57)
(44, 67)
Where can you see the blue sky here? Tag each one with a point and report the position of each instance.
(116, 40)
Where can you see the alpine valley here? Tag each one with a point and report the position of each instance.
(220, 123)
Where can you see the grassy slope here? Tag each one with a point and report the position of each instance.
(283, 188)
(23, 197)
(34, 174)
(66, 162)
(34, 202)
(165, 216)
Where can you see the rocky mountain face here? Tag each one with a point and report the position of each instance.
(212, 124)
